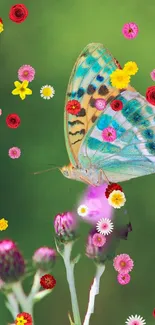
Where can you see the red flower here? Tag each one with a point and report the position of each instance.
(13, 121)
(116, 105)
(153, 313)
(150, 95)
(1, 21)
(47, 281)
(73, 107)
(26, 316)
(18, 13)
(111, 188)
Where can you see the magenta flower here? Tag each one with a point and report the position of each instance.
(152, 74)
(26, 72)
(109, 134)
(12, 264)
(14, 152)
(44, 258)
(99, 240)
(65, 226)
(130, 30)
(123, 263)
(100, 104)
(123, 279)
(98, 206)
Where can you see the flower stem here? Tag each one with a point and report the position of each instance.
(93, 292)
(26, 305)
(12, 305)
(71, 282)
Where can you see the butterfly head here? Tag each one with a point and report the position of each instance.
(67, 171)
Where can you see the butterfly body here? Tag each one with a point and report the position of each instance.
(103, 142)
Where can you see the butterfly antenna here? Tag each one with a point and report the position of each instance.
(45, 171)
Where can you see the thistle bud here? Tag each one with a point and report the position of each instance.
(12, 264)
(44, 258)
(64, 225)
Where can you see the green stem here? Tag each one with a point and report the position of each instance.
(25, 304)
(71, 282)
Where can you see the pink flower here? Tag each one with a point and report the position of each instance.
(26, 72)
(97, 203)
(14, 152)
(0, 111)
(98, 240)
(100, 103)
(123, 279)
(130, 30)
(64, 223)
(152, 74)
(109, 134)
(123, 263)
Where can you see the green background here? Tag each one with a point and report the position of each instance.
(50, 40)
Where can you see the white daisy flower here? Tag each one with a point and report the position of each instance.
(82, 210)
(47, 92)
(104, 226)
(135, 320)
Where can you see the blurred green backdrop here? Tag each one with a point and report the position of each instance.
(50, 40)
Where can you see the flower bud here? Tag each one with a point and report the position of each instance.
(12, 264)
(64, 225)
(44, 258)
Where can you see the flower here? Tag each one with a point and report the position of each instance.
(130, 30)
(119, 79)
(104, 226)
(23, 318)
(12, 264)
(26, 72)
(123, 279)
(100, 103)
(82, 210)
(99, 240)
(116, 105)
(13, 121)
(47, 281)
(1, 25)
(130, 68)
(111, 187)
(123, 263)
(18, 13)
(135, 320)
(117, 199)
(65, 225)
(150, 95)
(21, 89)
(73, 107)
(44, 258)
(47, 92)
(109, 134)
(153, 312)
(3, 224)
(152, 74)
(0, 111)
(14, 152)
(97, 203)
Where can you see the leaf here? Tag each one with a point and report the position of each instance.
(76, 259)
(71, 322)
(59, 246)
(40, 295)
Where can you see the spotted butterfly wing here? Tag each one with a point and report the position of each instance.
(89, 80)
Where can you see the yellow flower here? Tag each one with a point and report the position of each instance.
(21, 89)
(1, 27)
(119, 79)
(116, 199)
(3, 224)
(130, 68)
(21, 320)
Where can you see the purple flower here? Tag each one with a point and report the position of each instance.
(65, 225)
(44, 258)
(98, 206)
(12, 264)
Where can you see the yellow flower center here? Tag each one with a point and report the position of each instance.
(47, 92)
(122, 263)
(22, 89)
(73, 107)
(83, 210)
(26, 73)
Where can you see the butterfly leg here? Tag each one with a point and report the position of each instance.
(86, 180)
(102, 176)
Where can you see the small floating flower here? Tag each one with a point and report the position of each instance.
(130, 68)
(130, 30)
(123, 263)
(116, 105)
(47, 92)
(123, 279)
(152, 74)
(73, 107)
(100, 104)
(14, 153)
(22, 89)
(117, 199)
(82, 210)
(98, 240)
(119, 79)
(104, 226)
(13, 121)
(3, 224)
(109, 134)
(111, 187)
(135, 320)
(26, 72)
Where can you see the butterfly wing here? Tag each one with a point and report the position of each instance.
(132, 153)
(89, 80)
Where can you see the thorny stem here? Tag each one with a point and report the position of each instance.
(93, 292)
(71, 282)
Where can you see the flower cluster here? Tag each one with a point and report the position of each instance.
(120, 78)
(115, 195)
(123, 264)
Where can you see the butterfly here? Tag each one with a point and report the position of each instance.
(92, 159)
